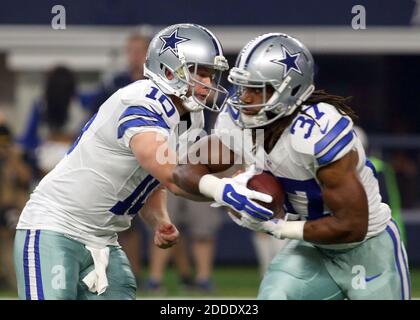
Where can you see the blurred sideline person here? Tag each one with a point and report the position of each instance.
(335, 219)
(135, 51)
(198, 225)
(15, 179)
(388, 185)
(53, 123)
(66, 244)
(406, 173)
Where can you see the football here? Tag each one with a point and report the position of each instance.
(267, 183)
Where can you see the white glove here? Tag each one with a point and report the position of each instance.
(233, 192)
(272, 227)
(244, 222)
(278, 228)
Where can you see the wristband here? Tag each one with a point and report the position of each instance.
(208, 185)
(292, 229)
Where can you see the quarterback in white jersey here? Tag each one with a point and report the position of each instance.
(66, 243)
(96, 190)
(335, 216)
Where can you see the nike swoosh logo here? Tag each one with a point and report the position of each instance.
(230, 196)
(323, 131)
(373, 277)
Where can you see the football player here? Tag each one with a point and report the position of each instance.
(66, 243)
(344, 243)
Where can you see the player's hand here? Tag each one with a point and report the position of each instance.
(233, 192)
(272, 227)
(237, 196)
(255, 225)
(166, 235)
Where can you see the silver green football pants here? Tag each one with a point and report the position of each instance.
(50, 265)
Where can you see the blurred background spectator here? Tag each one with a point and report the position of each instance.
(198, 225)
(135, 51)
(54, 121)
(14, 187)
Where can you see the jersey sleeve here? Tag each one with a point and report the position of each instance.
(140, 118)
(322, 134)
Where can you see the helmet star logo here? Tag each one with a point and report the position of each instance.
(171, 42)
(289, 62)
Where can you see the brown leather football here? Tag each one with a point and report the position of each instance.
(267, 183)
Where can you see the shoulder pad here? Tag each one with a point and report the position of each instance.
(322, 131)
(145, 92)
(135, 93)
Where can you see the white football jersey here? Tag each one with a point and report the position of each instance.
(98, 187)
(317, 136)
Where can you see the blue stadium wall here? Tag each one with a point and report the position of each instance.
(214, 12)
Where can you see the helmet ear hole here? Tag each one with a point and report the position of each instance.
(295, 90)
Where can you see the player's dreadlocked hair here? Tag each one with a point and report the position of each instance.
(339, 102)
(273, 131)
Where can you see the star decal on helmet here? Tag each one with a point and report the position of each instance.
(170, 42)
(289, 62)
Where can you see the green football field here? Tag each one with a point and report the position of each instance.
(230, 282)
(240, 282)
